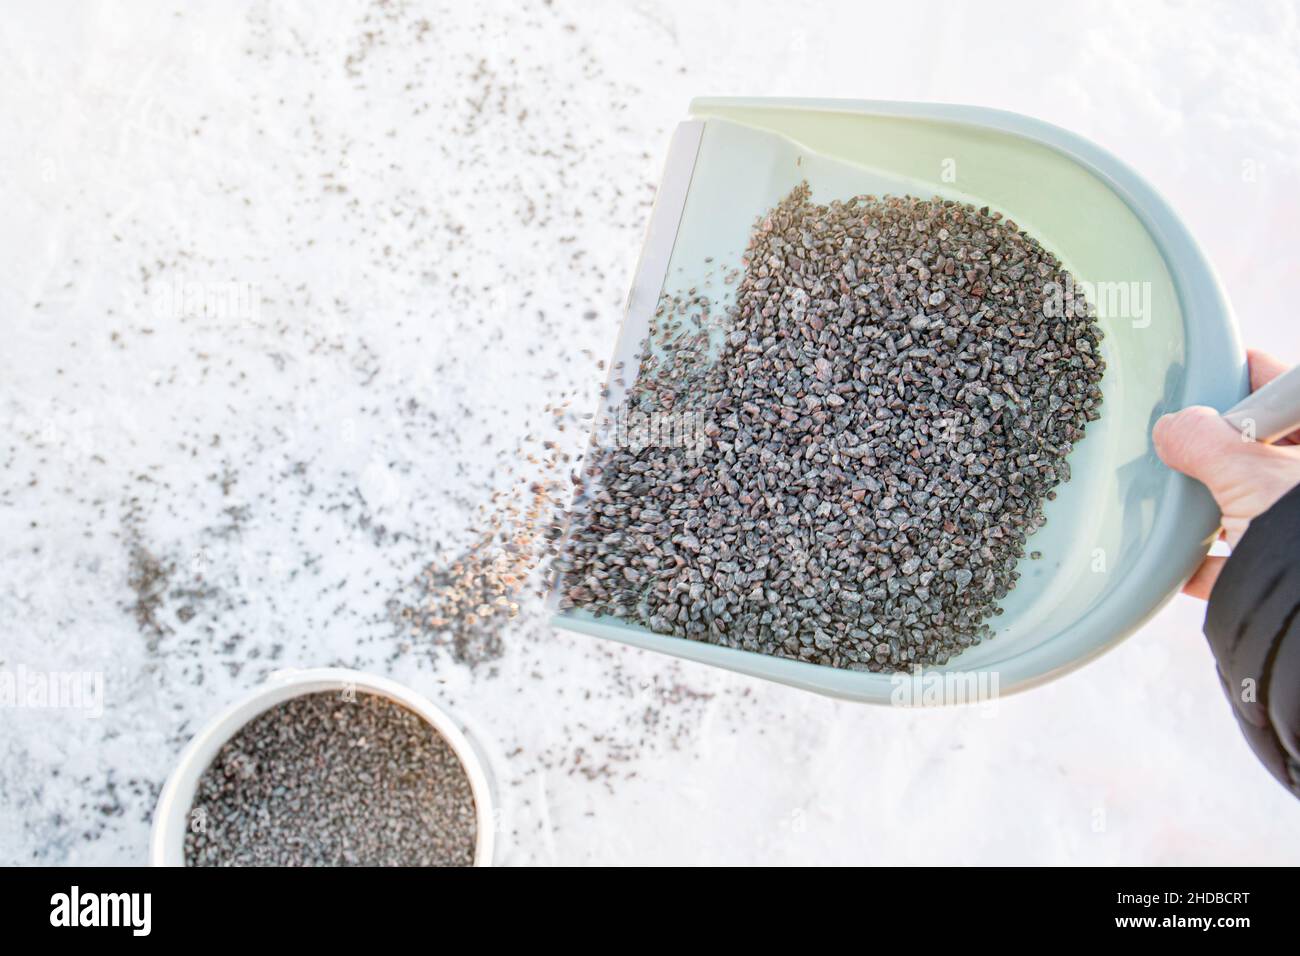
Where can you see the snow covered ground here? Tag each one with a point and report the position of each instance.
(418, 224)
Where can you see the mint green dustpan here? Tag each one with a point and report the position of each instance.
(1125, 532)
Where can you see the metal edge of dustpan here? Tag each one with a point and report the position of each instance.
(1187, 518)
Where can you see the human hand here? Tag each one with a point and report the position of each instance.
(1246, 477)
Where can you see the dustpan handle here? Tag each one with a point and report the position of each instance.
(1271, 412)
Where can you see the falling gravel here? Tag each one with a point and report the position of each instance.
(885, 409)
(331, 780)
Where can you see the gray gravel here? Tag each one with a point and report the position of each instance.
(323, 780)
(888, 408)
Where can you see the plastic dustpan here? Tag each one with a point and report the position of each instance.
(1125, 532)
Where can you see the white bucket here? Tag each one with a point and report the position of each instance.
(171, 816)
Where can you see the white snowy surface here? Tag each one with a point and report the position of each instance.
(427, 201)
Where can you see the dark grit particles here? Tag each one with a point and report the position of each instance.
(883, 414)
(329, 779)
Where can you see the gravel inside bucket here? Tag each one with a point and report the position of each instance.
(329, 779)
(843, 466)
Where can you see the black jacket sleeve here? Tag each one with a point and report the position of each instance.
(1253, 624)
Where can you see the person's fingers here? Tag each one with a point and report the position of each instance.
(1263, 368)
(1201, 583)
(1199, 443)
(1245, 477)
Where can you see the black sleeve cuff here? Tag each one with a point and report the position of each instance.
(1253, 625)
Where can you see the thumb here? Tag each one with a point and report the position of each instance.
(1245, 477)
(1199, 443)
